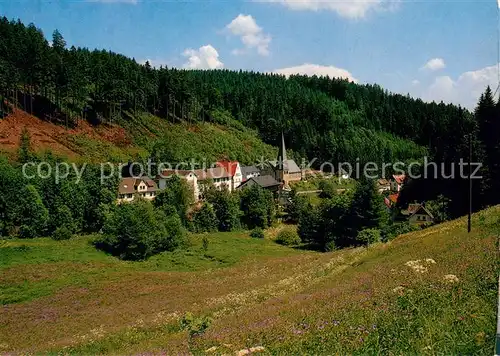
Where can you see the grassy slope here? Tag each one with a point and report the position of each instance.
(67, 296)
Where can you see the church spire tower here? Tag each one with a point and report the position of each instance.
(282, 151)
(282, 161)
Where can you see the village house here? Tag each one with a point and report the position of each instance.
(188, 175)
(417, 214)
(383, 185)
(219, 176)
(266, 182)
(234, 170)
(284, 170)
(249, 172)
(130, 188)
(397, 182)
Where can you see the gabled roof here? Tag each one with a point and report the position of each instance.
(288, 165)
(416, 209)
(264, 181)
(229, 166)
(245, 170)
(399, 178)
(422, 210)
(172, 172)
(413, 207)
(212, 173)
(383, 181)
(129, 185)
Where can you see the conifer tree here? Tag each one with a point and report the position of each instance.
(25, 149)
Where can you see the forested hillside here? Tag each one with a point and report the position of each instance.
(324, 118)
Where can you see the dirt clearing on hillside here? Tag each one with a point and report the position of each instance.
(46, 136)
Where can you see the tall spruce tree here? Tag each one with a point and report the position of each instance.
(488, 123)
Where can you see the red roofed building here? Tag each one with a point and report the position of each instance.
(234, 170)
(397, 182)
(394, 198)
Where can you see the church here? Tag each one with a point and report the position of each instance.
(284, 170)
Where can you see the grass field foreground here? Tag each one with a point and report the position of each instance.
(427, 292)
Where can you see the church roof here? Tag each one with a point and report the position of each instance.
(288, 165)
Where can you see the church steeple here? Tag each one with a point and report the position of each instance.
(282, 159)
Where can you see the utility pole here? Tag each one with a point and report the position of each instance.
(470, 184)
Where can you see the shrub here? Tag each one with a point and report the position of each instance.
(394, 230)
(206, 243)
(33, 213)
(27, 232)
(204, 219)
(368, 236)
(288, 237)
(62, 233)
(328, 188)
(298, 206)
(136, 231)
(257, 233)
(330, 246)
(226, 208)
(195, 326)
(178, 195)
(258, 207)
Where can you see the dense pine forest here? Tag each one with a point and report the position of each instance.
(324, 118)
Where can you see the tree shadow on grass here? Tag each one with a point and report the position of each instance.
(309, 247)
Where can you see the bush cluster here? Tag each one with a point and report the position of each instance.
(257, 233)
(288, 237)
(195, 325)
(137, 230)
(340, 221)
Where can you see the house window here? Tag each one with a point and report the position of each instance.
(129, 196)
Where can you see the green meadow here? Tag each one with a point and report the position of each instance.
(428, 292)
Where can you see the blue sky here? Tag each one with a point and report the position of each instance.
(436, 50)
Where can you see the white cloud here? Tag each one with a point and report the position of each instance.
(352, 9)
(434, 64)
(465, 90)
(316, 69)
(415, 82)
(251, 34)
(157, 62)
(206, 57)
